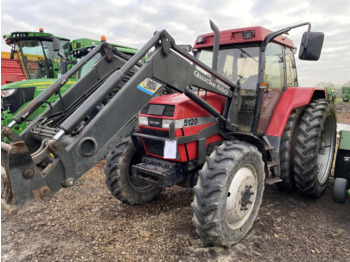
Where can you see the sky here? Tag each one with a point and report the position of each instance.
(133, 22)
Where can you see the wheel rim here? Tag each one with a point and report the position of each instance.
(241, 197)
(326, 150)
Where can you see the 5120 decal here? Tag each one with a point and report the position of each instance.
(190, 121)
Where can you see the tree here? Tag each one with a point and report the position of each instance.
(347, 83)
(325, 84)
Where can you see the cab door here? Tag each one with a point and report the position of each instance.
(274, 76)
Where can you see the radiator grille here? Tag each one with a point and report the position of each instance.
(153, 146)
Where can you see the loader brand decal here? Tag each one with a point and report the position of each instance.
(149, 86)
(179, 123)
(210, 82)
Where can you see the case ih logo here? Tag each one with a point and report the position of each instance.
(210, 82)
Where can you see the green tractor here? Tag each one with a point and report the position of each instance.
(44, 57)
(345, 93)
(36, 54)
(341, 187)
(82, 46)
(331, 94)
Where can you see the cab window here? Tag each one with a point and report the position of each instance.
(290, 68)
(274, 67)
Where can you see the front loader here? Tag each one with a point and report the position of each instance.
(225, 121)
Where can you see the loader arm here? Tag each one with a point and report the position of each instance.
(59, 146)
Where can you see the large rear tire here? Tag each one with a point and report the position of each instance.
(228, 193)
(315, 148)
(287, 153)
(119, 178)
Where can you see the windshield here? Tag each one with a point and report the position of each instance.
(236, 63)
(240, 64)
(38, 58)
(86, 68)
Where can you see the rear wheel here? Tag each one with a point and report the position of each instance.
(340, 189)
(228, 193)
(287, 153)
(119, 177)
(315, 146)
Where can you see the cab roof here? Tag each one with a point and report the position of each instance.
(240, 36)
(25, 35)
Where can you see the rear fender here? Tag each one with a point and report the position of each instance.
(292, 98)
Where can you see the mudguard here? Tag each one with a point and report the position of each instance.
(293, 97)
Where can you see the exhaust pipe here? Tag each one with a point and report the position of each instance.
(216, 45)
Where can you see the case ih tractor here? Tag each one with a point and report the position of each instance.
(225, 121)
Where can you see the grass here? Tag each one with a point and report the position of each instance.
(339, 100)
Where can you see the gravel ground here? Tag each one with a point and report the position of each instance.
(343, 113)
(85, 223)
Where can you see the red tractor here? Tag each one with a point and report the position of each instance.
(225, 121)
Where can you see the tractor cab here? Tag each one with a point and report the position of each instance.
(248, 62)
(36, 53)
(82, 46)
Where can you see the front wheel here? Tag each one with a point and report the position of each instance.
(228, 193)
(119, 179)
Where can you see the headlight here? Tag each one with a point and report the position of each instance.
(143, 121)
(7, 92)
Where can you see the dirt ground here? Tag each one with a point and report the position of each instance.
(85, 223)
(343, 113)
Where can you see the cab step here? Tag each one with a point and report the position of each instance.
(272, 180)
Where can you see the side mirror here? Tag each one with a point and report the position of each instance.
(310, 48)
(12, 54)
(56, 44)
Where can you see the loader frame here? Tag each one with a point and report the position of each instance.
(71, 155)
